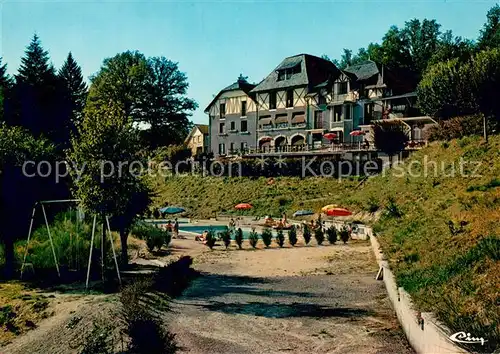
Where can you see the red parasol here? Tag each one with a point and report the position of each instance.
(243, 206)
(357, 133)
(338, 212)
(330, 136)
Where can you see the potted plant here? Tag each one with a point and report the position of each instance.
(306, 234)
(267, 237)
(319, 235)
(280, 238)
(238, 237)
(331, 233)
(292, 236)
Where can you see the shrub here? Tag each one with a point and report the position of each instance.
(372, 204)
(267, 237)
(392, 209)
(319, 235)
(344, 234)
(253, 238)
(210, 239)
(98, 340)
(457, 127)
(292, 235)
(226, 237)
(280, 238)
(156, 238)
(307, 234)
(331, 233)
(143, 324)
(238, 237)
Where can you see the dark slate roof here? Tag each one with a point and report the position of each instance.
(363, 70)
(238, 85)
(314, 70)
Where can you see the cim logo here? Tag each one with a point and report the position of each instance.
(462, 337)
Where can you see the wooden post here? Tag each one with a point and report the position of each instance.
(114, 254)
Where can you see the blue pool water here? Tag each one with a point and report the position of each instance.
(199, 229)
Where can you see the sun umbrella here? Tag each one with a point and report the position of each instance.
(303, 213)
(357, 133)
(338, 212)
(172, 210)
(243, 206)
(330, 136)
(329, 206)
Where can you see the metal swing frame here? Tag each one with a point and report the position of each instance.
(42, 204)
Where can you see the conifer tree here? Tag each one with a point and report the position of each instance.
(75, 89)
(36, 68)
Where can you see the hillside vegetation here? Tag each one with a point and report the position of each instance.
(440, 229)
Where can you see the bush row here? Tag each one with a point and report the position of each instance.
(331, 234)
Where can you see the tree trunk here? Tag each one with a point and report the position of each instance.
(123, 240)
(9, 256)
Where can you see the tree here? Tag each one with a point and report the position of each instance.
(150, 91)
(16, 147)
(166, 87)
(446, 91)
(490, 34)
(111, 184)
(389, 137)
(37, 96)
(75, 89)
(450, 47)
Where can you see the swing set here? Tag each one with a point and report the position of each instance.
(76, 263)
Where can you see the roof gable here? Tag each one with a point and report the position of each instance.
(363, 70)
(313, 71)
(238, 85)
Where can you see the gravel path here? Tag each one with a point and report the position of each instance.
(321, 304)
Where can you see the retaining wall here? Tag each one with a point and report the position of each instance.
(421, 329)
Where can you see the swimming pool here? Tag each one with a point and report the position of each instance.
(199, 229)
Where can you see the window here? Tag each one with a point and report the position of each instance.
(318, 120)
(348, 115)
(337, 113)
(231, 147)
(244, 146)
(243, 108)
(222, 109)
(233, 125)
(272, 100)
(222, 149)
(281, 75)
(286, 74)
(221, 128)
(321, 99)
(244, 125)
(342, 88)
(289, 98)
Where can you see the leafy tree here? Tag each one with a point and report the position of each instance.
(75, 89)
(389, 137)
(166, 88)
(238, 238)
(292, 235)
(267, 237)
(110, 184)
(490, 34)
(450, 47)
(150, 91)
(16, 147)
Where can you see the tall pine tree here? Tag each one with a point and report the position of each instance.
(75, 89)
(39, 96)
(5, 84)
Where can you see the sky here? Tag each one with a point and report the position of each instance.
(215, 41)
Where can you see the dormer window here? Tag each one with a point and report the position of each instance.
(288, 72)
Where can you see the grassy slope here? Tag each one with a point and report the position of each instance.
(456, 275)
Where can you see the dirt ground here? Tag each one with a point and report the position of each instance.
(306, 299)
(315, 299)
